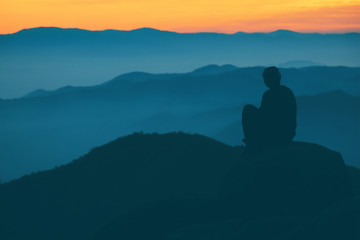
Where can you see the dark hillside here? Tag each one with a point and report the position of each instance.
(175, 186)
(72, 201)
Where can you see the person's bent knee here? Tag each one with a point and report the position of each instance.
(249, 108)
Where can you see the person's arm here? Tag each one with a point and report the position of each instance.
(264, 101)
(293, 102)
(292, 107)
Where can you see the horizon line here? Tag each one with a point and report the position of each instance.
(179, 32)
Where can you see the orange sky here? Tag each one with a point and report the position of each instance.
(227, 16)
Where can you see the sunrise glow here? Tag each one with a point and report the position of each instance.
(226, 16)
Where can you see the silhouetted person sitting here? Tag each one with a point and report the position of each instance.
(274, 123)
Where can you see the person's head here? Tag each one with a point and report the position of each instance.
(272, 77)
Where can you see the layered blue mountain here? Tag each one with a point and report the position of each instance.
(48, 128)
(181, 186)
(50, 58)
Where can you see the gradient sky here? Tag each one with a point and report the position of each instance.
(226, 16)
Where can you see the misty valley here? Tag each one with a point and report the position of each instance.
(49, 128)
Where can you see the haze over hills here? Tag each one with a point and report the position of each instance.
(70, 121)
(181, 186)
(50, 58)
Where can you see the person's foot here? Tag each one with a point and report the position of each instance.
(252, 147)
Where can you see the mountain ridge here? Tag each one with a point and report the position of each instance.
(279, 31)
(211, 69)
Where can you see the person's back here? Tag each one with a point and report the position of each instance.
(278, 110)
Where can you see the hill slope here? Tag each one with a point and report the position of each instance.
(158, 186)
(83, 195)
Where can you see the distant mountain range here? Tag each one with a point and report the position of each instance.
(50, 58)
(181, 186)
(298, 64)
(48, 128)
(307, 80)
